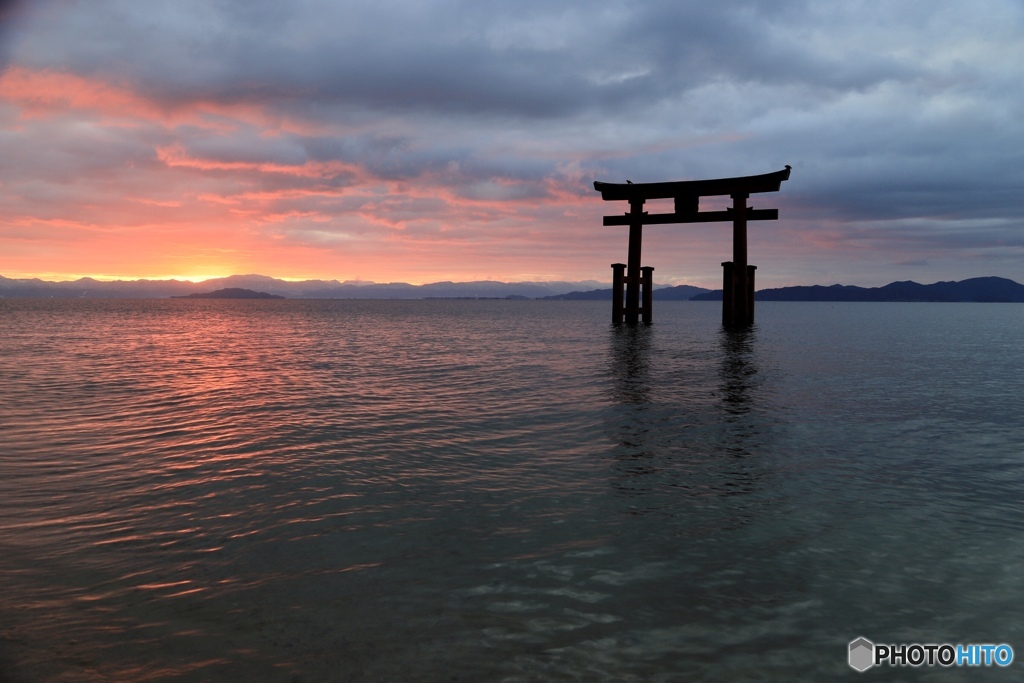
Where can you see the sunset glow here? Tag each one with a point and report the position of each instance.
(193, 154)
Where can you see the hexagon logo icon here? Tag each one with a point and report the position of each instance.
(862, 654)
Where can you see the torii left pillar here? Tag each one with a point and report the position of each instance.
(631, 311)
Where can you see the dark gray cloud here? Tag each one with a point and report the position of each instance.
(517, 59)
(10, 12)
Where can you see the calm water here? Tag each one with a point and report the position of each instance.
(504, 490)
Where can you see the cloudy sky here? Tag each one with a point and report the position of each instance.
(422, 140)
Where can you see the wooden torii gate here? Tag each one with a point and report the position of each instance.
(738, 279)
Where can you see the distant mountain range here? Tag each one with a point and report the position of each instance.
(981, 289)
(307, 289)
(978, 290)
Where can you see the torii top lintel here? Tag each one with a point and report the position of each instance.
(767, 182)
(687, 194)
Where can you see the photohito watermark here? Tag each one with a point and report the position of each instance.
(864, 654)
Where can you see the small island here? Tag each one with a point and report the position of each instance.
(230, 293)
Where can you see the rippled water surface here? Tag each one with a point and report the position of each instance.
(504, 490)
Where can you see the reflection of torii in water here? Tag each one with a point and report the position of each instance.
(738, 281)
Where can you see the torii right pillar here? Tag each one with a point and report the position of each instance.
(738, 275)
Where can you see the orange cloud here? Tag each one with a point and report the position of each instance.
(149, 201)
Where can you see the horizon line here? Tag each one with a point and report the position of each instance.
(196, 280)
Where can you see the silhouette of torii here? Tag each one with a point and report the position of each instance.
(738, 277)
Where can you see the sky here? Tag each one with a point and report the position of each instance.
(422, 140)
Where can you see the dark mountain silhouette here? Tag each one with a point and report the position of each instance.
(230, 293)
(977, 290)
(678, 293)
(592, 295)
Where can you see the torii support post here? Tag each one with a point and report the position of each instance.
(648, 281)
(618, 282)
(729, 305)
(618, 279)
(738, 279)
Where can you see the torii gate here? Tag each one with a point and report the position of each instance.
(738, 280)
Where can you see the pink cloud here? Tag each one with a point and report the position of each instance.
(153, 197)
(48, 93)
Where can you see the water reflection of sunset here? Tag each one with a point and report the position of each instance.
(215, 489)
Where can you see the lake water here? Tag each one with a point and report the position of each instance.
(504, 490)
